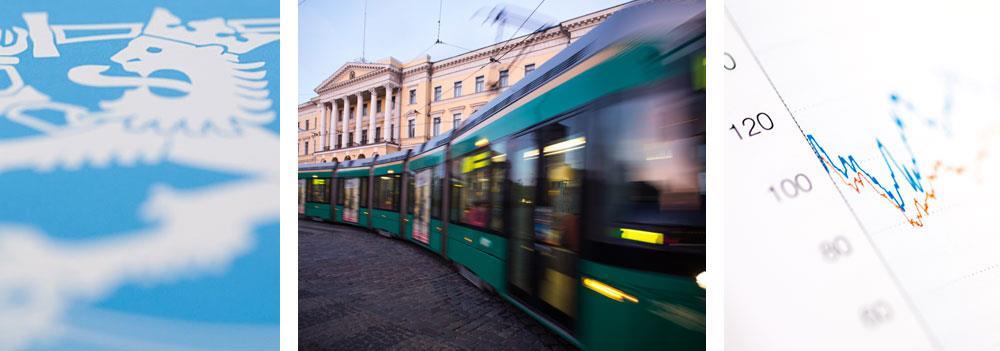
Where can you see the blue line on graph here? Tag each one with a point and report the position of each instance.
(847, 166)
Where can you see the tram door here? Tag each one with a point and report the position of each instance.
(422, 206)
(302, 196)
(546, 182)
(352, 199)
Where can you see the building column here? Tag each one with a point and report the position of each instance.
(347, 116)
(322, 126)
(333, 120)
(371, 115)
(333, 124)
(398, 118)
(387, 114)
(357, 122)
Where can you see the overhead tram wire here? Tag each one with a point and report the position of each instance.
(440, 7)
(497, 59)
(450, 89)
(437, 39)
(364, 30)
(454, 46)
(519, 29)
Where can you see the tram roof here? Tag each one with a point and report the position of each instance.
(392, 157)
(317, 166)
(654, 17)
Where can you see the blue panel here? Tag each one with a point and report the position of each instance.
(141, 141)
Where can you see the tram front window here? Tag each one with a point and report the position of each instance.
(652, 177)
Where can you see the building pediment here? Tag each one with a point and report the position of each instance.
(352, 72)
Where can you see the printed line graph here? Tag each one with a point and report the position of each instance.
(857, 177)
(900, 160)
(906, 131)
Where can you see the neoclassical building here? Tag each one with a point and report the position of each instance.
(365, 109)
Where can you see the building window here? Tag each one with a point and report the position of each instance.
(458, 89)
(364, 136)
(307, 124)
(479, 83)
(529, 68)
(456, 119)
(378, 134)
(503, 78)
(392, 103)
(437, 93)
(364, 110)
(378, 105)
(413, 96)
(350, 139)
(307, 148)
(437, 126)
(411, 128)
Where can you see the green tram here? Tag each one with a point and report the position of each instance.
(578, 195)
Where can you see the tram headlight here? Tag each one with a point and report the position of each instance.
(701, 279)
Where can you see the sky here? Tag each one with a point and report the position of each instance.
(330, 32)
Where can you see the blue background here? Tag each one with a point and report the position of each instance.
(91, 203)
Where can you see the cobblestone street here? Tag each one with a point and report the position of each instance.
(362, 291)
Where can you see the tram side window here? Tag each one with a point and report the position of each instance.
(437, 181)
(363, 198)
(557, 211)
(474, 202)
(411, 196)
(387, 192)
(498, 176)
(340, 193)
(319, 191)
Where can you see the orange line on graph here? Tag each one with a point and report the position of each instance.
(859, 181)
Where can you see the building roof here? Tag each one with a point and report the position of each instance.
(424, 62)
